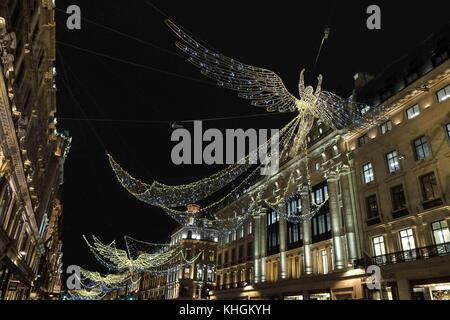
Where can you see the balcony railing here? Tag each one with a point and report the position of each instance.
(423, 253)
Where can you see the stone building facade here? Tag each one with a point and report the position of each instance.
(32, 151)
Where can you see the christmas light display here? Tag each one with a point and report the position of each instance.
(84, 294)
(134, 260)
(265, 88)
(127, 266)
(159, 194)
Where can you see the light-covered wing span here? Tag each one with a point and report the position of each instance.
(337, 112)
(264, 87)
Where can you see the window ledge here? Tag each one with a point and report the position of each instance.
(400, 213)
(373, 221)
(432, 203)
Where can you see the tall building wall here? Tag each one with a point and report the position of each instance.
(32, 151)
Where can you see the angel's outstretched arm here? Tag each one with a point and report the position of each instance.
(301, 85)
(319, 85)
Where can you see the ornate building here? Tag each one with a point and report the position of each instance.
(192, 274)
(32, 152)
(383, 190)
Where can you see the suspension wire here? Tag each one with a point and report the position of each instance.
(66, 82)
(168, 121)
(116, 132)
(150, 4)
(134, 64)
(152, 45)
(167, 17)
(326, 33)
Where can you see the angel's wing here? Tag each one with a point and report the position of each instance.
(264, 87)
(337, 112)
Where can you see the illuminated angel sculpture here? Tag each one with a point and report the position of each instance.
(265, 88)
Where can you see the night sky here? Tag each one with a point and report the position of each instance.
(136, 103)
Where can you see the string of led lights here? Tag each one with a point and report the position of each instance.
(234, 193)
(163, 195)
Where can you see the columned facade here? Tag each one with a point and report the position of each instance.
(307, 240)
(263, 244)
(257, 248)
(336, 221)
(349, 215)
(282, 240)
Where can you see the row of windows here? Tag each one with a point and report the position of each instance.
(421, 151)
(429, 188)
(295, 233)
(440, 234)
(239, 233)
(318, 196)
(411, 113)
(272, 218)
(240, 254)
(231, 279)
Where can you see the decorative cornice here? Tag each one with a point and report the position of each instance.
(403, 98)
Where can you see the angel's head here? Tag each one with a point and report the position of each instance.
(308, 90)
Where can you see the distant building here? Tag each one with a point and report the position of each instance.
(192, 274)
(32, 153)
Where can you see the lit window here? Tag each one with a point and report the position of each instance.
(421, 148)
(294, 206)
(210, 274)
(392, 160)
(321, 222)
(386, 127)
(317, 166)
(441, 233)
(318, 196)
(429, 186)
(187, 272)
(363, 140)
(199, 272)
(250, 227)
(443, 94)
(368, 175)
(413, 112)
(407, 239)
(272, 218)
(378, 246)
